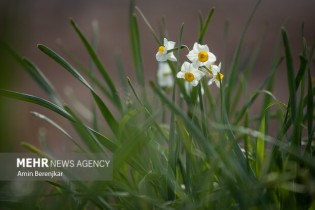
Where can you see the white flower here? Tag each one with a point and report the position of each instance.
(216, 75)
(164, 75)
(162, 54)
(201, 56)
(190, 74)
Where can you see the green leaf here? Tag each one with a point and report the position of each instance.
(87, 71)
(232, 75)
(136, 45)
(55, 108)
(33, 149)
(101, 105)
(136, 139)
(99, 65)
(53, 123)
(250, 101)
(149, 25)
(260, 148)
(121, 73)
(107, 114)
(35, 73)
(228, 162)
(303, 65)
(41, 80)
(310, 113)
(87, 136)
(56, 57)
(205, 26)
(290, 73)
(172, 158)
(36, 100)
(200, 18)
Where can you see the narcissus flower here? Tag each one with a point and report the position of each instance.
(201, 56)
(190, 74)
(164, 75)
(162, 54)
(216, 75)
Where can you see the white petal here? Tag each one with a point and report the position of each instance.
(198, 47)
(171, 57)
(195, 48)
(215, 69)
(160, 57)
(217, 83)
(203, 48)
(170, 45)
(206, 48)
(165, 67)
(192, 56)
(166, 81)
(163, 70)
(180, 74)
(165, 42)
(197, 64)
(219, 67)
(194, 83)
(211, 57)
(185, 67)
(199, 74)
(188, 87)
(211, 81)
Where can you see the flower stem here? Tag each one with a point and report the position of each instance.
(176, 48)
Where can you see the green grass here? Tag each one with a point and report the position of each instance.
(203, 154)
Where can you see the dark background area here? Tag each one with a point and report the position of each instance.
(24, 24)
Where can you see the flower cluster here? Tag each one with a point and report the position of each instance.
(201, 64)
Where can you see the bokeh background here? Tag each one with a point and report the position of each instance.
(25, 23)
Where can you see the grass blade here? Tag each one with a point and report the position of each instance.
(35, 73)
(87, 136)
(107, 114)
(36, 100)
(310, 113)
(205, 26)
(172, 158)
(260, 148)
(56, 57)
(228, 163)
(99, 65)
(55, 108)
(290, 72)
(50, 121)
(136, 44)
(103, 108)
(121, 73)
(41, 80)
(232, 75)
(149, 26)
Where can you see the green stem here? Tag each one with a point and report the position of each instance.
(203, 118)
(172, 140)
(177, 48)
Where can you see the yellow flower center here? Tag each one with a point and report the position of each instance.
(203, 56)
(219, 76)
(161, 49)
(189, 77)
